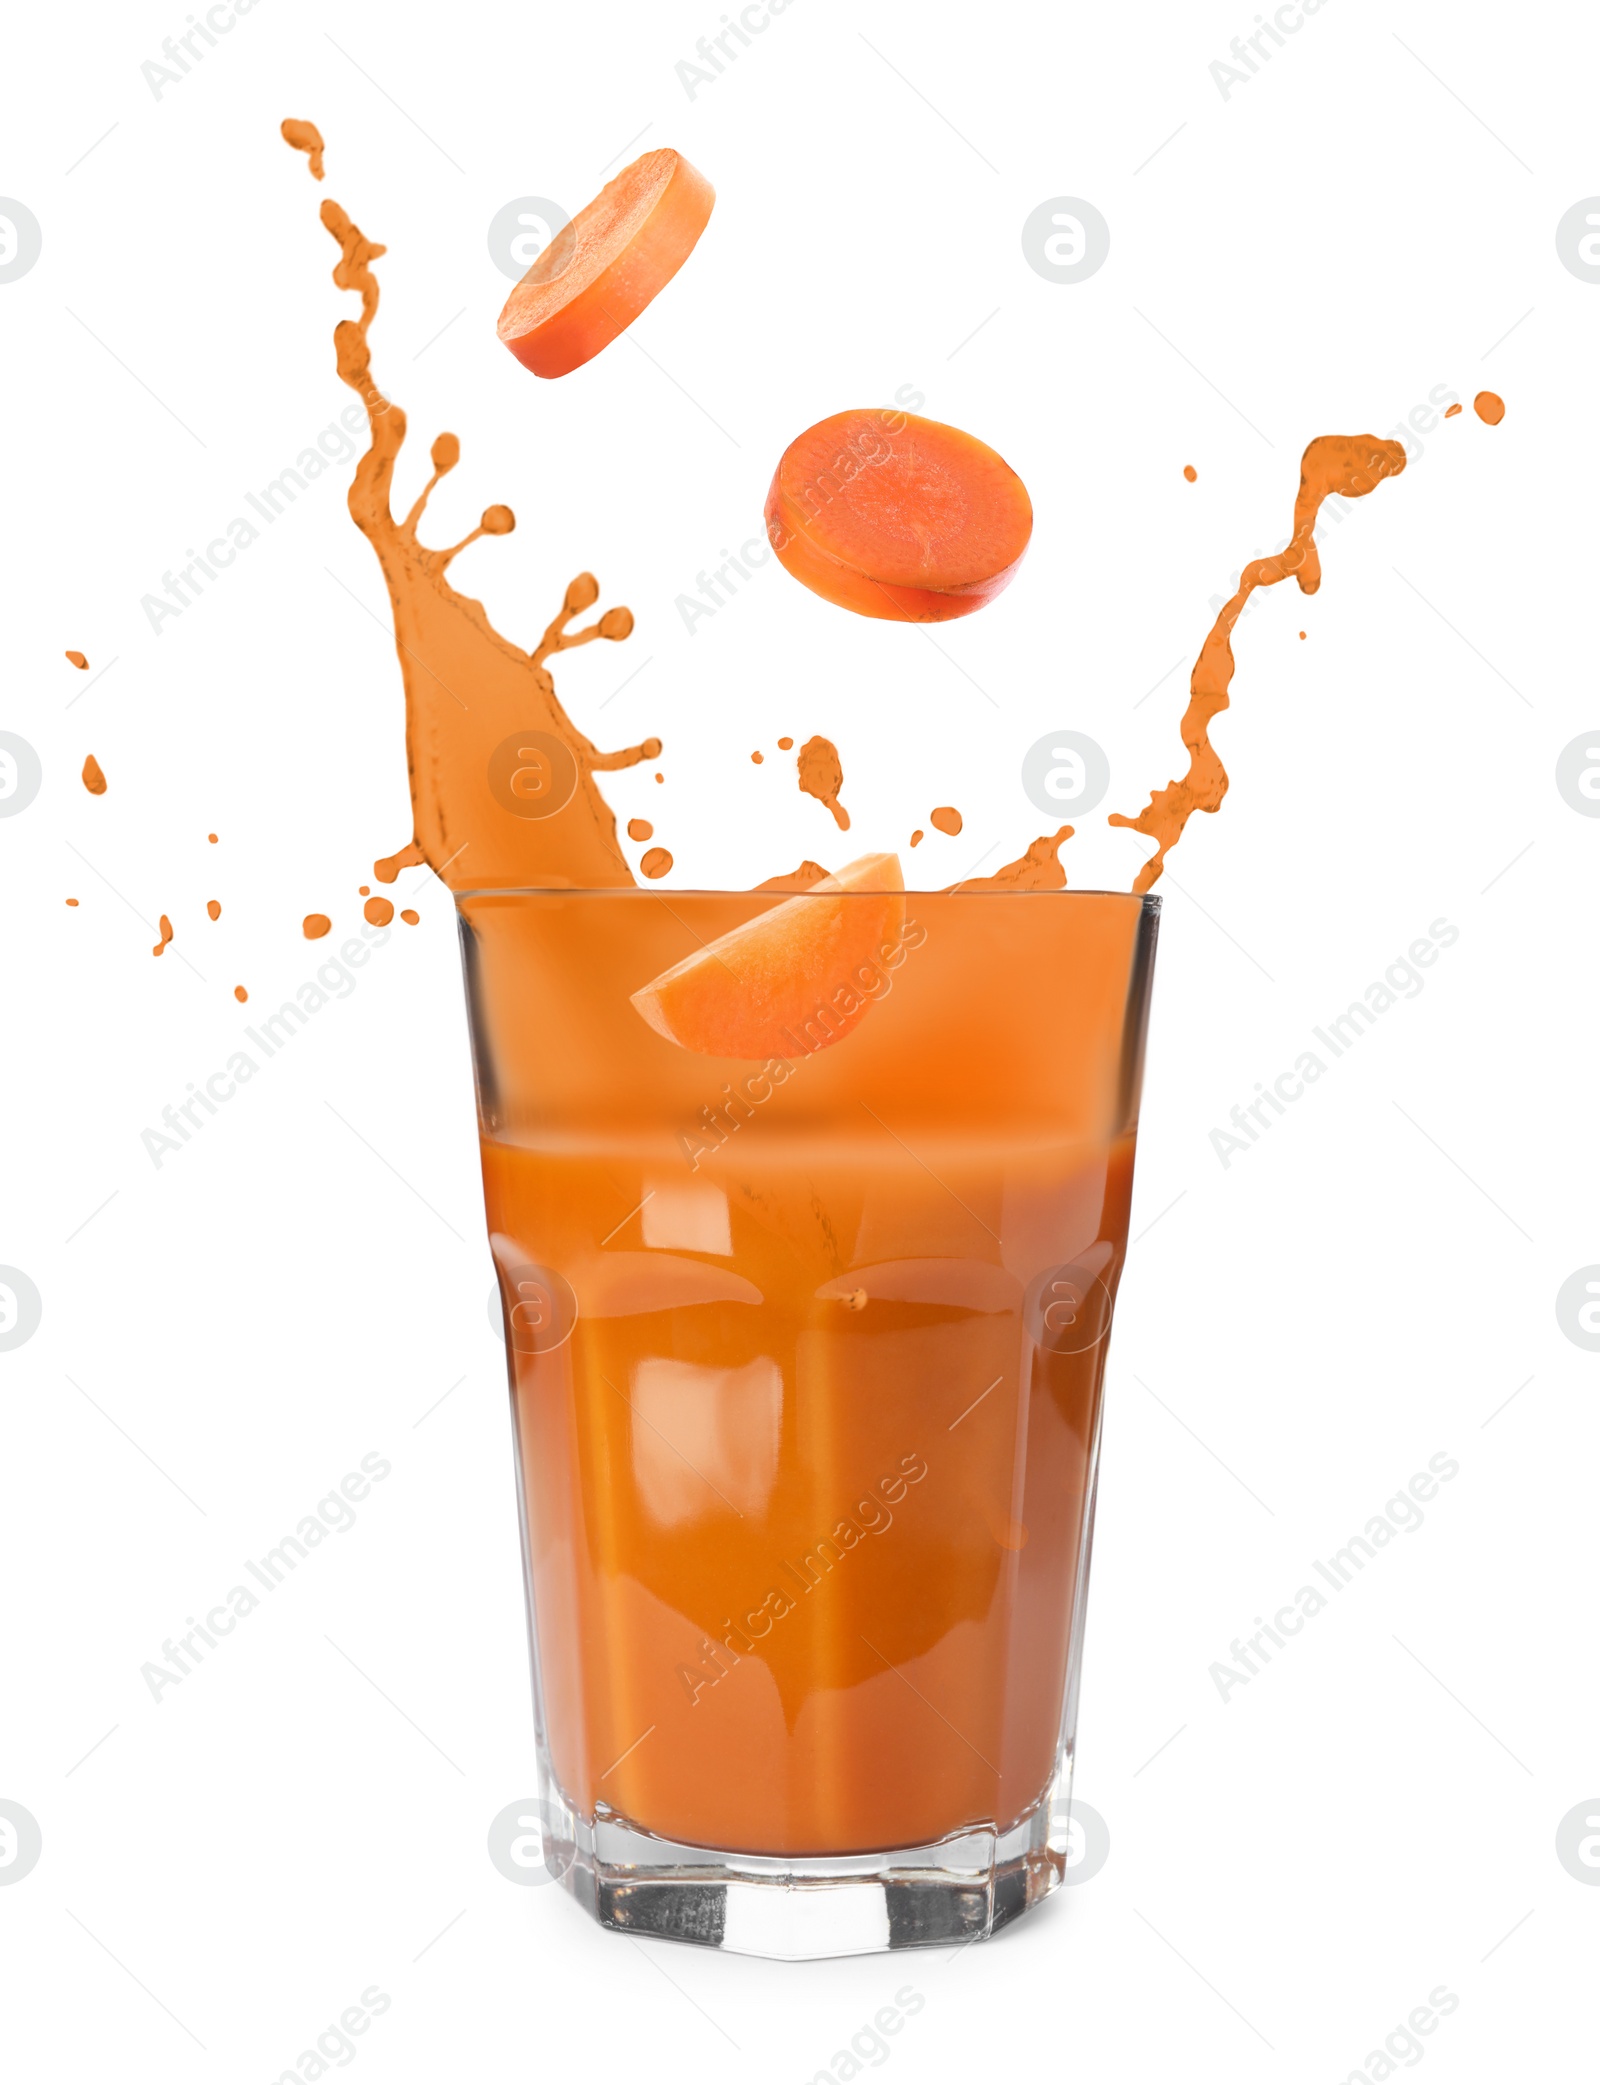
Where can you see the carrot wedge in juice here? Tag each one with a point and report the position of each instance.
(895, 517)
(792, 980)
(601, 270)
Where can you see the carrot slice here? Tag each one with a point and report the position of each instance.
(896, 517)
(792, 980)
(601, 270)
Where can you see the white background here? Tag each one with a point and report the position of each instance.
(1370, 216)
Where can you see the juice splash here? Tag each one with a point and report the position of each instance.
(1349, 464)
(502, 781)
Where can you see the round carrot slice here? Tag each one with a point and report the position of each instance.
(601, 270)
(792, 980)
(897, 517)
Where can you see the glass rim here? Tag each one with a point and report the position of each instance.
(1150, 901)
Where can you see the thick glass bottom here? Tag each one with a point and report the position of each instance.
(796, 1908)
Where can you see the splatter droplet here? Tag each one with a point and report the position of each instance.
(758, 758)
(661, 778)
(214, 908)
(821, 775)
(166, 935)
(947, 818)
(77, 659)
(656, 863)
(1302, 636)
(1490, 408)
(640, 829)
(1450, 411)
(305, 137)
(916, 837)
(315, 925)
(212, 838)
(240, 994)
(93, 779)
(1190, 472)
(365, 891)
(411, 918)
(72, 901)
(784, 744)
(409, 857)
(377, 912)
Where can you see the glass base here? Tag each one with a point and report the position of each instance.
(796, 1908)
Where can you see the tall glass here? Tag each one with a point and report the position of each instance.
(806, 1358)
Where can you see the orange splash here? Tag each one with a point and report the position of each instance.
(655, 863)
(1450, 411)
(72, 901)
(916, 836)
(166, 935)
(77, 659)
(947, 818)
(377, 912)
(409, 857)
(212, 838)
(315, 925)
(1348, 464)
(758, 758)
(640, 829)
(1038, 869)
(1490, 408)
(1190, 472)
(305, 137)
(93, 780)
(240, 994)
(785, 745)
(821, 775)
(411, 918)
(802, 878)
(213, 908)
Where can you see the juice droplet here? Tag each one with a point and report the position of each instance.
(305, 137)
(213, 908)
(1190, 472)
(240, 994)
(656, 863)
(758, 758)
(661, 778)
(78, 660)
(1490, 408)
(72, 901)
(409, 857)
(315, 925)
(916, 837)
(411, 918)
(1038, 869)
(1450, 411)
(821, 775)
(1349, 464)
(640, 829)
(947, 818)
(377, 912)
(365, 891)
(785, 744)
(212, 838)
(1302, 636)
(166, 935)
(93, 780)
(808, 873)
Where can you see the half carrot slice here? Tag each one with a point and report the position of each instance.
(896, 517)
(601, 270)
(792, 980)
